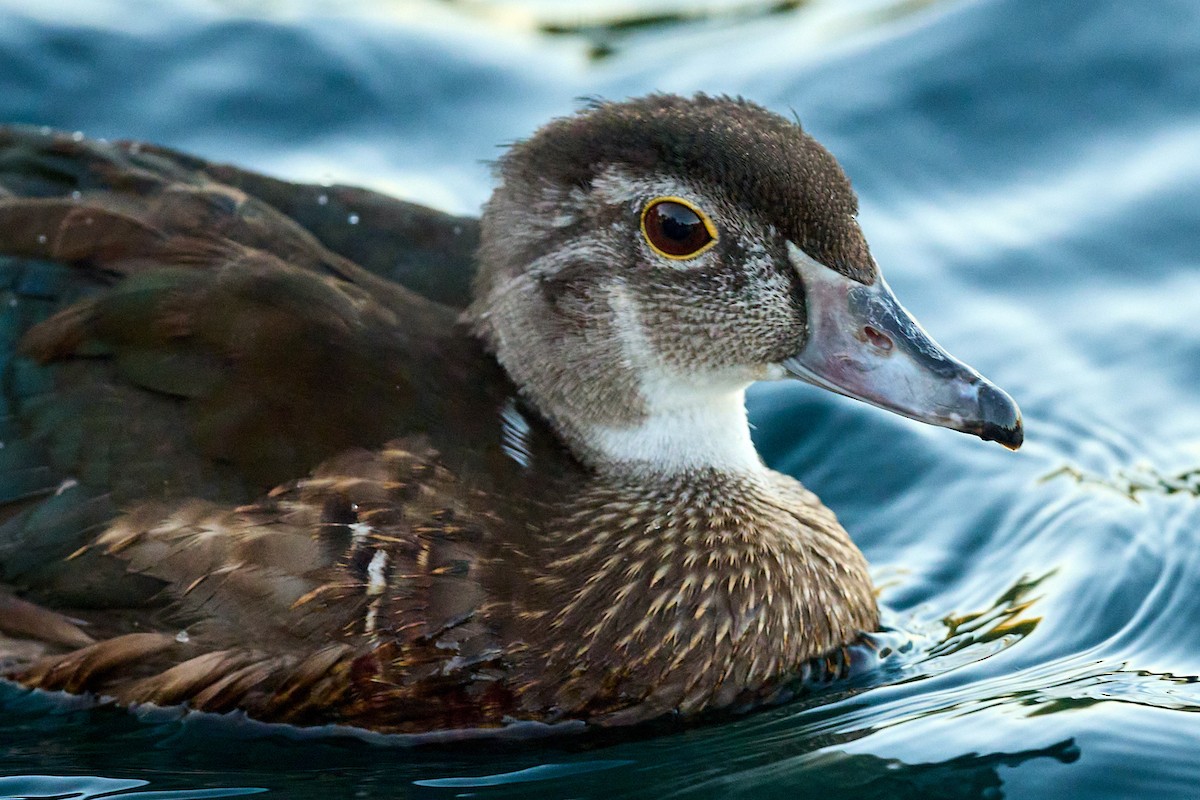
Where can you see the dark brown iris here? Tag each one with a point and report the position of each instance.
(675, 229)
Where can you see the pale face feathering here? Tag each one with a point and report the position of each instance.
(640, 357)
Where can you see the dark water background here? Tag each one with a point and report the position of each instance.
(1029, 179)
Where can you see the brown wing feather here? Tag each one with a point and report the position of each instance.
(22, 619)
(356, 588)
(176, 346)
(198, 343)
(427, 251)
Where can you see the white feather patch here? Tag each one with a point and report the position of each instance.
(693, 421)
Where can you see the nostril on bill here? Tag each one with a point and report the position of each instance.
(877, 338)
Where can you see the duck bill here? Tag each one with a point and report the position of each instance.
(863, 344)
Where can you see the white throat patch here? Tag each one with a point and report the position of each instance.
(707, 435)
(691, 422)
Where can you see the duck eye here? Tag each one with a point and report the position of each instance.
(676, 229)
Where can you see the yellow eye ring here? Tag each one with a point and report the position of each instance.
(676, 229)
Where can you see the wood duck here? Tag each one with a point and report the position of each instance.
(326, 457)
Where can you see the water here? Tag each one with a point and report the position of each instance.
(1028, 173)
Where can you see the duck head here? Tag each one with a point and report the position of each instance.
(642, 263)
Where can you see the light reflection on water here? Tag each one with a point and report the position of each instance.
(1027, 173)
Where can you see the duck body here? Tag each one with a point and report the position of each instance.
(257, 463)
